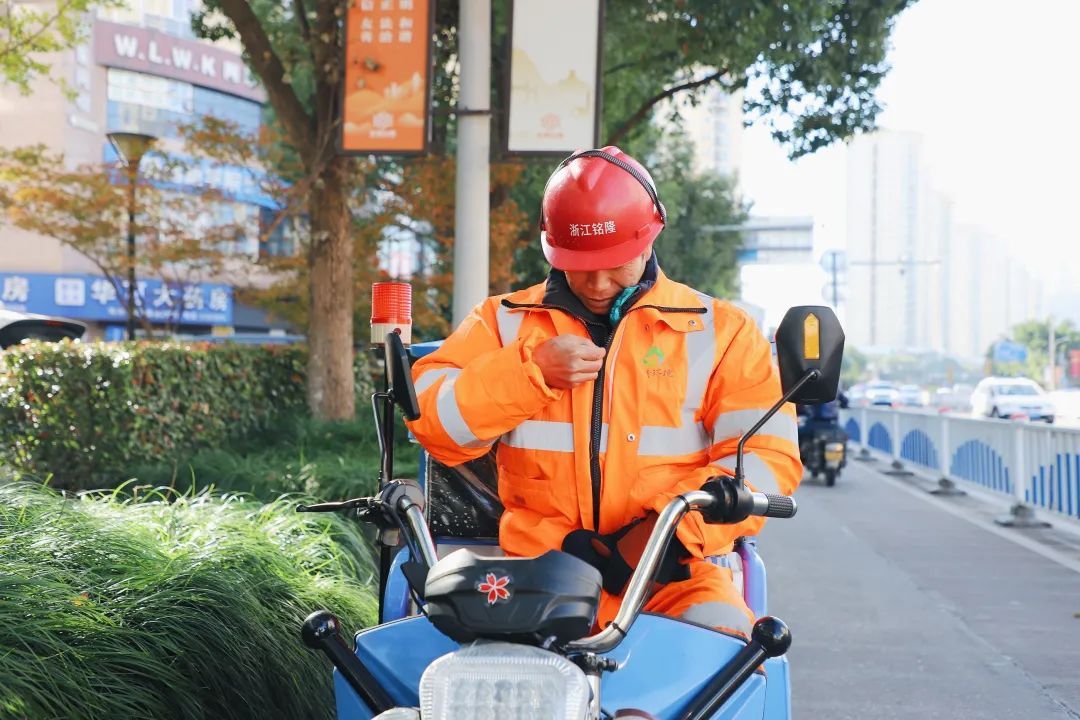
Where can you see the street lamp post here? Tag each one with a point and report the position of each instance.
(131, 147)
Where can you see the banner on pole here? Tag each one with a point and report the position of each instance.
(387, 77)
(555, 88)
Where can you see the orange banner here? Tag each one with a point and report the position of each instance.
(386, 76)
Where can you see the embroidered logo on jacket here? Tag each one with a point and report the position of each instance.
(654, 358)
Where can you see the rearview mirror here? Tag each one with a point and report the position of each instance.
(810, 338)
(399, 374)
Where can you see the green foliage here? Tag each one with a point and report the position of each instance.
(853, 369)
(325, 460)
(688, 251)
(180, 607)
(1035, 336)
(29, 30)
(810, 68)
(78, 414)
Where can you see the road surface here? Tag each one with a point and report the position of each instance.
(900, 609)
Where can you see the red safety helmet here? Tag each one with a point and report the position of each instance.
(600, 210)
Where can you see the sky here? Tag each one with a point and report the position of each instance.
(991, 86)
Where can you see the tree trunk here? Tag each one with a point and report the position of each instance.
(330, 328)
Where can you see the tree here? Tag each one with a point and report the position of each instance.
(1035, 336)
(689, 250)
(31, 29)
(85, 208)
(296, 50)
(810, 68)
(854, 366)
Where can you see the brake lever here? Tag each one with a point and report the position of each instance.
(361, 504)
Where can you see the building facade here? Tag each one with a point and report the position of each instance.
(919, 280)
(140, 70)
(715, 125)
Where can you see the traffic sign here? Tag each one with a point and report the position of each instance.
(1009, 352)
(827, 294)
(834, 261)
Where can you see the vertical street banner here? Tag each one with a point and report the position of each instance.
(554, 76)
(387, 77)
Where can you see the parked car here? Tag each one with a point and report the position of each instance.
(911, 396)
(880, 392)
(17, 326)
(998, 397)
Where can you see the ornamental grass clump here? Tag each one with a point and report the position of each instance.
(170, 607)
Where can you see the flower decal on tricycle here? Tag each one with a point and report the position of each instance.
(495, 587)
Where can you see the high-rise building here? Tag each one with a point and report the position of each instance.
(715, 125)
(140, 70)
(886, 191)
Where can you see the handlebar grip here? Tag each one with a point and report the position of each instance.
(774, 506)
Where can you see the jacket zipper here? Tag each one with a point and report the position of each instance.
(597, 428)
(598, 394)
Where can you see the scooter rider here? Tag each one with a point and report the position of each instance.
(611, 389)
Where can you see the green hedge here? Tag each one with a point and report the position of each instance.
(185, 607)
(80, 415)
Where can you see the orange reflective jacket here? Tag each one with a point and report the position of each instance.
(685, 375)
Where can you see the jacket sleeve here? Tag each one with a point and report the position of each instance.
(742, 388)
(473, 389)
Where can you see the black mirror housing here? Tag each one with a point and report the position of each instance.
(810, 338)
(400, 377)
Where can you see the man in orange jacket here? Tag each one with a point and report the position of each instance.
(611, 389)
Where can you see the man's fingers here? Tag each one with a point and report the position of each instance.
(588, 366)
(588, 351)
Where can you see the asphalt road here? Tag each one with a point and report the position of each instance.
(899, 609)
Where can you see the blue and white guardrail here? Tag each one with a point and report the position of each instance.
(1035, 464)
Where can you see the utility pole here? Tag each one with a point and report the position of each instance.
(835, 281)
(1051, 351)
(472, 188)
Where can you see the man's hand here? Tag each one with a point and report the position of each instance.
(568, 360)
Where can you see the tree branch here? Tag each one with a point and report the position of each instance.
(268, 66)
(659, 57)
(643, 112)
(305, 28)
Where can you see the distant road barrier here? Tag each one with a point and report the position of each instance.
(1036, 464)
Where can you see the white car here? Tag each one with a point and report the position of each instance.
(18, 326)
(1011, 398)
(879, 392)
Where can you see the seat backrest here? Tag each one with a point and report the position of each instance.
(463, 501)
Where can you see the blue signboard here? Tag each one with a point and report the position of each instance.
(93, 297)
(1009, 352)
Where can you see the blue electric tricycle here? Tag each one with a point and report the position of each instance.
(468, 634)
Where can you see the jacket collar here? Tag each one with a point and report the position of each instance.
(672, 302)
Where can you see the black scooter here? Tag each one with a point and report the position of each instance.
(823, 447)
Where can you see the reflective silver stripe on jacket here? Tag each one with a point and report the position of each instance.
(542, 435)
(452, 422)
(735, 423)
(756, 472)
(655, 440)
(700, 354)
(659, 440)
(718, 615)
(430, 377)
(509, 322)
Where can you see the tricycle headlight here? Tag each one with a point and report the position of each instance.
(496, 680)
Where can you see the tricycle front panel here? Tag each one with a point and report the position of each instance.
(663, 662)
